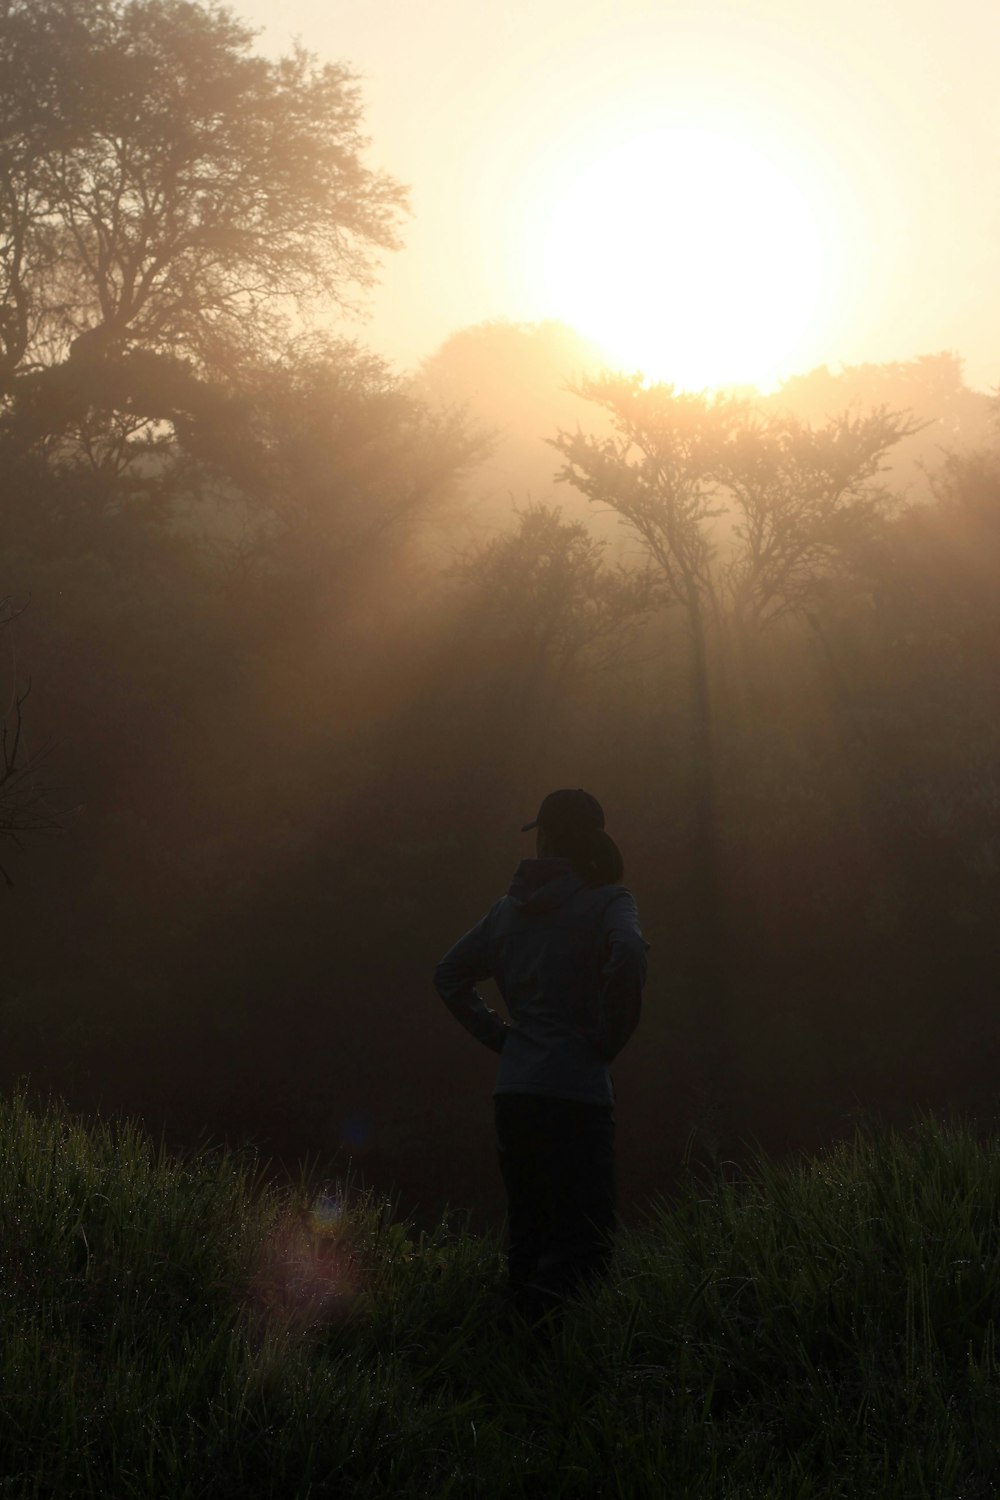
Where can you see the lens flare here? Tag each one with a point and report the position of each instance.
(307, 1272)
(356, 1131)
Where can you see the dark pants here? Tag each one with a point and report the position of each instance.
(557, 1157)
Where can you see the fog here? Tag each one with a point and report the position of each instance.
(307, 644)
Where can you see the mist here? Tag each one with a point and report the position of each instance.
(308, 637)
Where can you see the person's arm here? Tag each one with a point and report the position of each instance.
(623, 974)
(455, 981)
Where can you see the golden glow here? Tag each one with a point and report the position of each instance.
(689, 256)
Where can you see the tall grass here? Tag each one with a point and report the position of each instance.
(180, 1328)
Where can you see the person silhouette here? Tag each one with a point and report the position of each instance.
(566, 952)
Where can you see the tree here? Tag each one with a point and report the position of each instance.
(932, 387)
(934, 584)
(511, 377)
(798, 501)
(316, 465)
(162, 189)
(807, 500)
(801, 500)
(168, 202)
(543, 592)
(656, 472)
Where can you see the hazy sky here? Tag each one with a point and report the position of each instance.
(830, 171)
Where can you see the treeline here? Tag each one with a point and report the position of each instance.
(299, 671)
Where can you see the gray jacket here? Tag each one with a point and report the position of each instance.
(570, 962)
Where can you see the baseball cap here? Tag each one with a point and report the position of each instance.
(570, 810)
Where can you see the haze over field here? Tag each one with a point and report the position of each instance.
(717, 190)
(314, 610)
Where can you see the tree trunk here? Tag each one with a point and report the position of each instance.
(711, 978)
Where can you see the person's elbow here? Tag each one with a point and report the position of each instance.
(624, 979)
(450, 977)
(619, 1030)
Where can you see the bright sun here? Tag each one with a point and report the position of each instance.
(688, 256)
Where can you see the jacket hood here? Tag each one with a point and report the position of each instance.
(540, 885)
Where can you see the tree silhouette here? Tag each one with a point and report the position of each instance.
(931, 386)
(542, 593)
(807, 501)
(800, 499)
(329, 457)
(742, 515)
(656, 471)
(162, 187)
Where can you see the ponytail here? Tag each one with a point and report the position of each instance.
(593, 854)
(609, 867)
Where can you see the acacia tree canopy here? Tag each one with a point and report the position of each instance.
(656, 471)
(163, 188)
(799, 500)
(808, 503)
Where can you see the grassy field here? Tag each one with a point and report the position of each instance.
(178, 1328)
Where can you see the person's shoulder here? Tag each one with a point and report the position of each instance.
(599, 899)
(502, 910)
(611, 893)
(618, 903)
